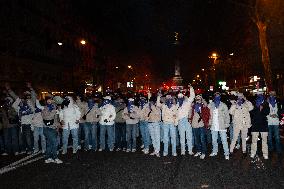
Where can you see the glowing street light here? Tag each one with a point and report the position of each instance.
(116, 67)
(232, 54)
(83, 42)
(202, 69)
(60, 43)
(129, 66)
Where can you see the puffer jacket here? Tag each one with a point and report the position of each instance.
(273, 111)
(223, 115)
(132, 117)
(169, 115)
(154, 115)
(94, 114)
(143, 112)
(241, 115)
(185, 109)
(70, 115)
(108, 115)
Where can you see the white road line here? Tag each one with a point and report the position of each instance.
(10, 168)
(23, 159)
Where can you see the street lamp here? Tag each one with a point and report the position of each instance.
(129, 66)
(60, 43)
(202, 69)
(83, 42)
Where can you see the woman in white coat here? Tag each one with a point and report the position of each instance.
(69, 117)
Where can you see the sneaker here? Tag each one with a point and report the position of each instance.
(124, 149)
(252, 155)
(100, 150)
(79, 147)
(153, 153)
(4, 154)
(182, 153)
(128, 150)
(16, 153)
(74, 151)
(227, 157)
(146, 151)
(212, 155)
(111, 149)
(157, 154)
(49, 160)
(64, 152)
(202, 156)
(142, 146)
(190, 153)
(133, 150)
(118, 149)
(165, 154)
(174, 154)
(238, 146)
(58, 161)
(265, 157)
(197, 154)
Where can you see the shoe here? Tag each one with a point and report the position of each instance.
(128, 150)
(165, 154)
(133, 150)
(58, 161)
(182, 153)
(190, 153)
(118, 149)
(227, 157)
(146, 151)
(49, 160)
(100, 150)
(252, 155)
(157, 154)
(202, 156)
(16, 153)
(79, 147)
(265, 157)
(124, 149)
(142, 146)
(212, 155)
(74, 151)
(64, 152)
(153, 153)
(174, 154)
(4, 154)
(111, 149)
(197, 154)
(238, 146)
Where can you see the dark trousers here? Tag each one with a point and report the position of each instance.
(120, 135)
(51, 142)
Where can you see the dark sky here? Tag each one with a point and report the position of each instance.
(148, 26)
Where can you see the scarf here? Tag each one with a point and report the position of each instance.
(91, 103)
(50, 107)
(240, 101)
(272, 101)
(180, 101)
(217, 100)
(169, 103)
(197, 107)
(259, 100)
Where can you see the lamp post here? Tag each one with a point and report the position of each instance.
(214, 56)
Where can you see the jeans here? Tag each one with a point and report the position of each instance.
(169, 129)
(154, 129)
(90, 133)
(81, 132)
(162, 131)
(200, 139)
(65, 136)
(120, 138)
(11, 140)
(185, 133)
(27, 137)
(110, 142)
(1, 142)
(231, 129)
(263, 143)
(38, 132)
(131, 130)
(143, 125)
(223, 136)
(51, 142)
(273, 130)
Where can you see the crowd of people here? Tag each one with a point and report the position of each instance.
(162, 121)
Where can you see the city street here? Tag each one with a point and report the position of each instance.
(136, 170)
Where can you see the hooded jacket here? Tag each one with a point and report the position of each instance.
(108, 114)
(273, 111)
(223, 115)
(185, 109)
(93, 115)
(241, 115)
(131, 117)
(70, 115)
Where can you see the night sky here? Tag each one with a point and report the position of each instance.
(139, 27)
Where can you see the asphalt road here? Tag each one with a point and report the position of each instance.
(136, 170)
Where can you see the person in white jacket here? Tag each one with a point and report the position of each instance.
(143, 124)
(241, 120)
(169, 115)
(184, 127)
(131, 116)
(107, 123)
(273, 124)
(69, 117)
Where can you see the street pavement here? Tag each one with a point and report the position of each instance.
(136, 170)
